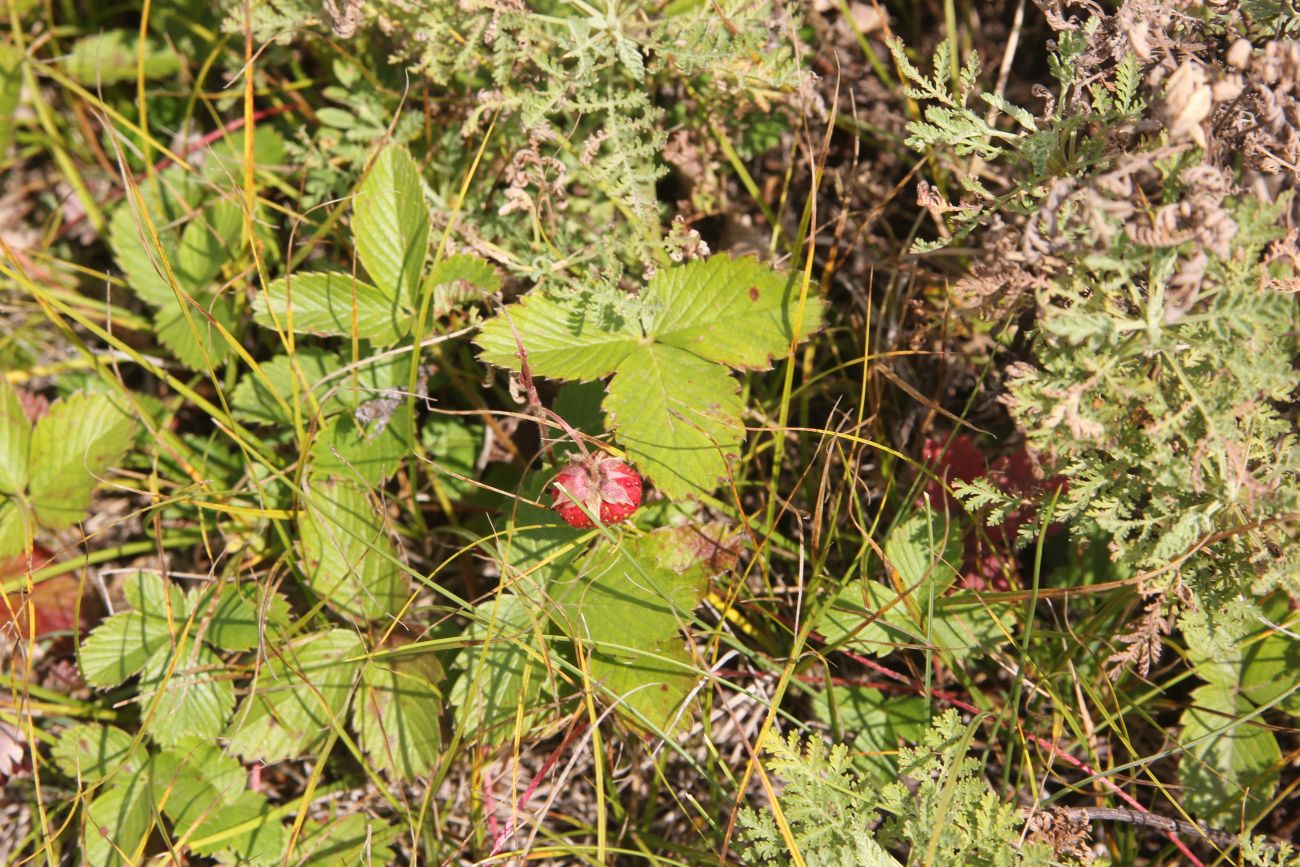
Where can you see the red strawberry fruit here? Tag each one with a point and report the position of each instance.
(607, 487)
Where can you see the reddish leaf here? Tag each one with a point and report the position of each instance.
(54, 601)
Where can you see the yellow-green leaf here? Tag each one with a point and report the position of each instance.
(391, 225)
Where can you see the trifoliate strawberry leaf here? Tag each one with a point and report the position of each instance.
(197, 694)
(672, 403)
(73, 445)
(678, 417)
(118, 821)
(15, 441)
(501, 670)
(1230, 767)
(89, 751)
(391, 224)
(628, 609)
(205, 760)
(329, 303)
(123, 644)
(140, 259)
(562, 341)
(298, 697)
(347, 555)
(738, 312)
(195, 254)
(396, 714)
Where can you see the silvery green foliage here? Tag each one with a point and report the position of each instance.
(947, 812)
(1162, 381)
(825, 804)
(573, 94)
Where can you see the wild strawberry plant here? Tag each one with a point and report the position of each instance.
(393, 473)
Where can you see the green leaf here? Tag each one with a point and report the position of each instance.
(242, 613)
(370, 452)
(1225, 761)
(628, 609)
(112, 57)
(117, 822)
(964, 628)
(140, 259)
(347, 555)
(396, 714)
(16, 527)
(178, 783)
(11, 89)
(196, 341)
(391, 227)
(203, 792)
(1258, 666)
(538, 546)
(89, 752)
(73, 445)
(561, 341)
(208, 243)
(325, 303)
(879, 723)
(453, 444)
(15, 441)
(123, 644)
(925, 550)
(345, 840)
(866, 615)
(678, 417)
(197, 697)
(223, 163)
(501, 669)
(254, 400)
(579, 404)
(263, 843)
(254, 397)
(1269, 669)
(672, 401)
(460, 280)
(300, 693)
(737, 312)
(870, 617)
